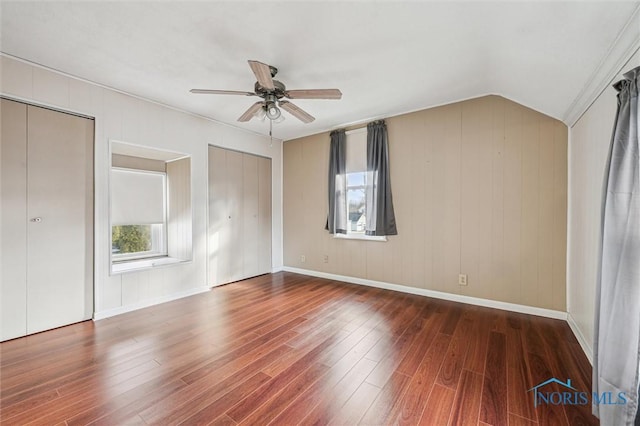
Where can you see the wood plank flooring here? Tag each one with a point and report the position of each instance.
(288, 349)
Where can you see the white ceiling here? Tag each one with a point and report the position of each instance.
(386, 57)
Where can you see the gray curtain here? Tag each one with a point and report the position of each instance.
(381, 219)
(337, 217)
(617, 325)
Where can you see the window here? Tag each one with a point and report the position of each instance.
(151, 217)
(356, 190)
(359, 186)
(138, 208)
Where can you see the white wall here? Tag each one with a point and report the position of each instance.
(589, 141)
(129, 119)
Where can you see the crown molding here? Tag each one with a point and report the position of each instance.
(623, 48)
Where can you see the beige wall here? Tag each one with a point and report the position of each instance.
(588, 150)
(479, 188)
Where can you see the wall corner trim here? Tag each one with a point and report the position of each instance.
(513, 307)
(588, 351)
(623, 48)
(147, 303)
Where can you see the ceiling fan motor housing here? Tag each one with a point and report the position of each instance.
(278, 92)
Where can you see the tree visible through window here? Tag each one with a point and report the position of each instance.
(131, 238)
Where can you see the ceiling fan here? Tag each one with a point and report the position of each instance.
(272, 91)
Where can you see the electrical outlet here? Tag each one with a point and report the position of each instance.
(326, 258)
(303, 258)
(462, 279)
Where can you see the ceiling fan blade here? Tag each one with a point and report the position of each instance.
(296, 111)
(248, 114)
(221, 92)
(263, 74)
(314, 94)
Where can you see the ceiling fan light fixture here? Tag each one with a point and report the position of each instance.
(273, 112)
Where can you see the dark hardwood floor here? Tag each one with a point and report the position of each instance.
(289, 349)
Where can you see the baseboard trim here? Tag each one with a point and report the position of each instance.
(145, 304)
(586, 348)
(513, 307)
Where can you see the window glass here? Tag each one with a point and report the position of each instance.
(356, 164)
(356, 202)
(134, 241)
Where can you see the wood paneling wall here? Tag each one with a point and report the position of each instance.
(479, 187)
(179, 231)
(588, 151)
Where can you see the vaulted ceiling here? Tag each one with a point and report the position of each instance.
(386, 57)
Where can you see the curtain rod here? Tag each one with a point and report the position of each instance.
(356, 130)
(363, 127)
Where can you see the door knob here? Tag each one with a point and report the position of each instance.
(36, 219)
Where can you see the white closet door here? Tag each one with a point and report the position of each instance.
(239, 215)
(60, 219)
(13, 226)
(250, 234)
(264, 215)
(218, 218)
(235, 202)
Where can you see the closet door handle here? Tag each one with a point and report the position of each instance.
(36, 219)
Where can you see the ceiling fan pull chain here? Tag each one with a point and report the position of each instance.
(270, 132)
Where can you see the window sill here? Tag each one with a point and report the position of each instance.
(360, 237)
(140, 264)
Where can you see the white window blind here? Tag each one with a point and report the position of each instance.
(137, 198)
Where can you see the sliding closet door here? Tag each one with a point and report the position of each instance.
(264, 215)
(218, 217)
(235, 209)
(60, 219)
(250, 236)
(13, 226)
(46, 230)
(239, 215)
